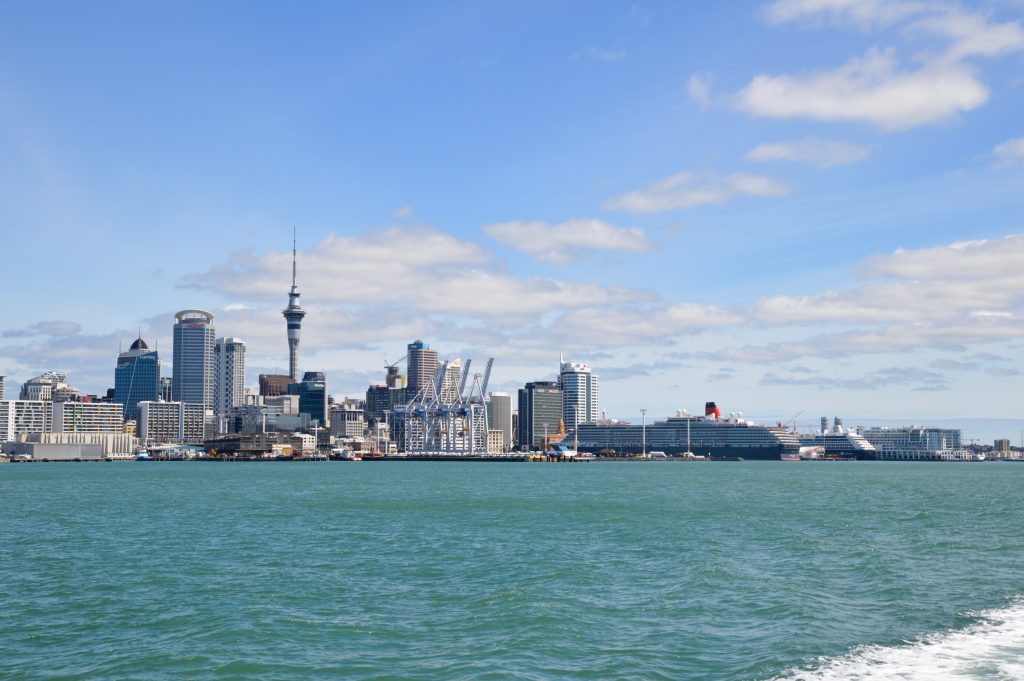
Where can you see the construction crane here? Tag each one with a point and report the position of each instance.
(792, 421)
(392, 369)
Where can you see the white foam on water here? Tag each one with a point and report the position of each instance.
(991, 648)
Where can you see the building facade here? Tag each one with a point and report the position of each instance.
(194, 340)
(579, 394)
(421, 362)
(312, 393)
(171, 422)
(48, 387)
(540, 412)
(499, 417)
(272, 385)
(228, 374)
(136, 377)
(913, 443)
(21, 417)
(348, 419)
(87, 417)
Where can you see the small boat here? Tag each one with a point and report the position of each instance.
(143, 455)
(790, 457)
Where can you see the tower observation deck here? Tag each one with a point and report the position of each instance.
(293, 314)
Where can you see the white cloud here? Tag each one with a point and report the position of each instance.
(971, 34)
(688, 190)
(1009, 152)
(870, 89)
(699, 88)
(567, 240)
(876, 88)
(635, 325)
(862, 13)
(420, 268)
(823, 153)
(403, 212)
(917, 379)
(963, 293)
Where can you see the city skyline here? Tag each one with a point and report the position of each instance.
(805, 217)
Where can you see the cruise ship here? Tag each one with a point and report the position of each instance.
(710, 435)
(839, 443)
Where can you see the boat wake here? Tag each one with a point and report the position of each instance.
(990, 648)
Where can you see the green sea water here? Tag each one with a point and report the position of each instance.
(670, 570)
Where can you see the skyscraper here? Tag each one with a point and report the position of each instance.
(136, 377)
(579, 394)
(293, 314)
(540, 411)
(229, 374)
(499, 416)
(312, 392)
(193, 357)
(421, 362)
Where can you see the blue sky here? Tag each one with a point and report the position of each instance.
(800, 204)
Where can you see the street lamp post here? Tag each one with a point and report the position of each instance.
(687, 415)
(643, 430)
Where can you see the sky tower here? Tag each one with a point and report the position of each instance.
(294, 314)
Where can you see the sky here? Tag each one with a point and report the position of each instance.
(797, 206)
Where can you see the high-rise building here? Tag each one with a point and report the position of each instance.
(228, 374)
(540, 412)
(293, 314)
(51, 386)
(166, 388)
(499, 417)
(378, 402)
(451, 382)
(2, 387)
(194, 338)
(171, 422)
(348, 419)
(136, 377)
(312, 392)
(272, 385)
(421, 363)
(579, 394)
(21, 417)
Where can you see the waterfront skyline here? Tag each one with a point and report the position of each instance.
(822, 214)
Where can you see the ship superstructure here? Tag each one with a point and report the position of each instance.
(838, 442)
(710, 435)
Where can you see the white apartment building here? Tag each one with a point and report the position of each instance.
(87, 417)
(579, 394)
(21, 417)
(171, 422)
(228, 374)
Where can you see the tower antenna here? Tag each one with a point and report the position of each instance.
(293, 256)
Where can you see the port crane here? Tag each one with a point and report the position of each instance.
(792, 421)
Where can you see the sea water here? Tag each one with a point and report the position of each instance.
(750, 570)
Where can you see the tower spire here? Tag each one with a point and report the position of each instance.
(293, 314)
